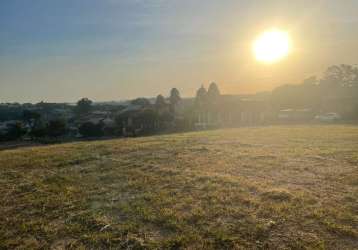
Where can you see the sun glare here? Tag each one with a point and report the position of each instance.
(271, 46)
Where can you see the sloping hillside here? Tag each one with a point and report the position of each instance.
(270, 187)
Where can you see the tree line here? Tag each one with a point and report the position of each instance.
(336, 89)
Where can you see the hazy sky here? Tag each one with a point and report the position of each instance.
(61, 50)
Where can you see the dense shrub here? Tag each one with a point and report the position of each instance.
(89, 129)
(56, 128)
(15, 131)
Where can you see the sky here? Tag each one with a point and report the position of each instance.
(62, 50)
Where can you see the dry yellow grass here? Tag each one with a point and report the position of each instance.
(248, 188)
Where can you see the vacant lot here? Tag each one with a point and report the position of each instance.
(249, 188)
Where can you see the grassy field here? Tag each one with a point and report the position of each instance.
(248, 188)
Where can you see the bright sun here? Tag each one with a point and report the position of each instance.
(271, 46)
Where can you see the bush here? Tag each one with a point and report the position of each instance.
(15, 131)
(56, 128)
(89, 129)
(39, 129)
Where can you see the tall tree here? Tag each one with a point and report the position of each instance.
(174, 98)
(341, 75)
(160, 102)
(201, 96)
(213, 92)
(84, 106)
